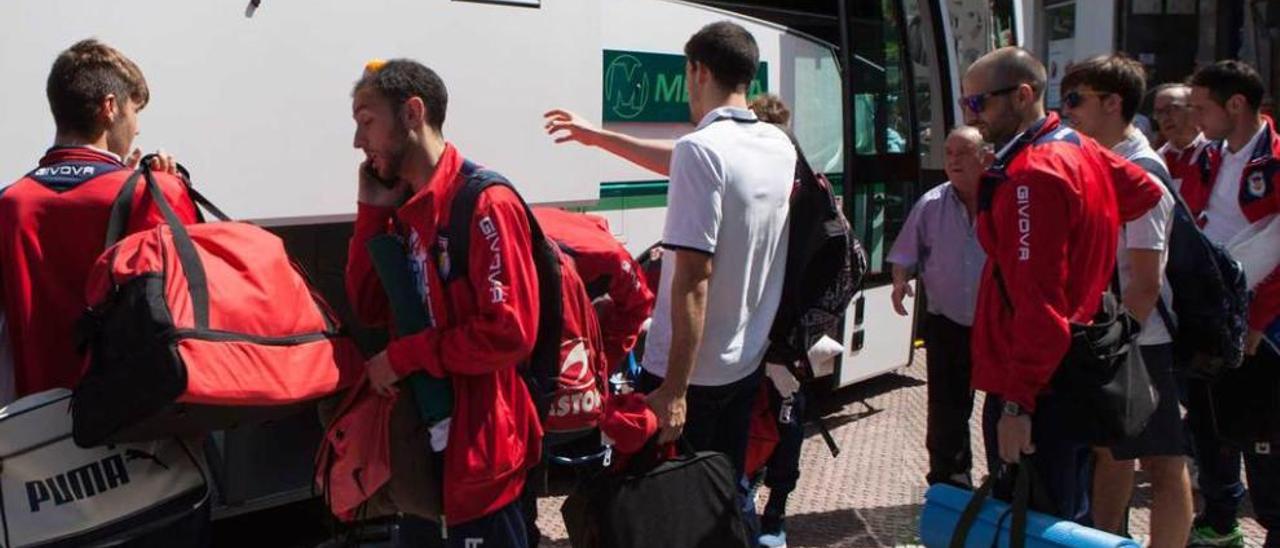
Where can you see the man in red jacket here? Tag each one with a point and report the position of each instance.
(1049, 221)
(53, 226)
(482, 325)
(1234, 187)
(53, 221)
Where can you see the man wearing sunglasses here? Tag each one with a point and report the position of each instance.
(1100, 97)
(1053, 198)
(1182, 136)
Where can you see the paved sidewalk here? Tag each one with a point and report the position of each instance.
(870, 495)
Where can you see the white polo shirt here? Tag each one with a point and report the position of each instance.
(1150, 232)
(729, 197)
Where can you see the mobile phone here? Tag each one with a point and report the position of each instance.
(371, 173)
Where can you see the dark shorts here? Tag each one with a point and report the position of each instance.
(1164, 435)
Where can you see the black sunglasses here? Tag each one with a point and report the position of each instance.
(1073, 98)
(977, 102)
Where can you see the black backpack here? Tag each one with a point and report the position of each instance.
(825, 266)
(1210, 294)
(541, 372)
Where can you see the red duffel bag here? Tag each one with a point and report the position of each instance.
(198, 328)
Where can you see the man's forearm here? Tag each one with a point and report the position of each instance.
(688, 314)
(651, 154)
(1143, 289)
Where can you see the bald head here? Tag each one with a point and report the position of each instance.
(967, 157)
(967, 134)
(1010, 66)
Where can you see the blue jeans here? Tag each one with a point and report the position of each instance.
(1064, 465)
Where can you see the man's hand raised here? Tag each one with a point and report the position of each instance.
(565, 126)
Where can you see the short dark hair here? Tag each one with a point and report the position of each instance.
(1225, 79)
(728, 50)
(399, 79)
(1118, 74)
(82, 76)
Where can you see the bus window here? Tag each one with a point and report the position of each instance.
(930, 124)
(814, 96)
(885, 143)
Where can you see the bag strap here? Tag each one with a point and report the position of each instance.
(546, 349)
(1180, 207)
(969, 516)
(197, 281)
(121, 209)
(122, 205)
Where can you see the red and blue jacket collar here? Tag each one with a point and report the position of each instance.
(1259, 176)
(1046, 130)
(65, 167)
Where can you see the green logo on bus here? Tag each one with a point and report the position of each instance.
(649, 87)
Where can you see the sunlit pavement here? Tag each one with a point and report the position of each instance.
(871, 494)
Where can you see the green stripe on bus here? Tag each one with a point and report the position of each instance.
(620, 195)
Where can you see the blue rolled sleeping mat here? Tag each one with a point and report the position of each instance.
(957, 518)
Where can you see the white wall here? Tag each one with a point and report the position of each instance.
(260, 108)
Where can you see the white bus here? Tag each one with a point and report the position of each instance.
(255, 101)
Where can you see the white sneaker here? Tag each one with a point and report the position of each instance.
(774, 541)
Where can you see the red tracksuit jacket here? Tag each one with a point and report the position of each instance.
(483, 327)
(1259, 198)
(601, 260)
(1052, 226)
(53, 223)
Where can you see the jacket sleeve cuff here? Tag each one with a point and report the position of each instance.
(1024, 394)
(372, 219)
(414, 353)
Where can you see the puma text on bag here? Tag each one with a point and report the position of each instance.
(53, 493)
(198, 328)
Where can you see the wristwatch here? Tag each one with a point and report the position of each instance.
(1012, 409)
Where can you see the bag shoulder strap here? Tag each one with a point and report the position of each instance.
(188, 258)
(546, 349)
(1158, 169)
(122, 206)
(461, 212)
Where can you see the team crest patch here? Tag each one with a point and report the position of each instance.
(1257, 184)
(443, 264)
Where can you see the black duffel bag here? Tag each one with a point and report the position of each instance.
(1103, 382)
(688, 501)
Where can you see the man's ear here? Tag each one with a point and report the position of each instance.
(108, 109)
(1026, 94)
(1114, 103)
(414, 113)
(701, 73)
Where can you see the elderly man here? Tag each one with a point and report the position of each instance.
(939, 244)
(1183, 140)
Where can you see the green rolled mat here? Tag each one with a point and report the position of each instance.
(433, 395)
